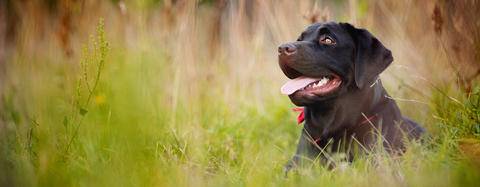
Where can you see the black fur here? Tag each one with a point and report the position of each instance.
(358, 58)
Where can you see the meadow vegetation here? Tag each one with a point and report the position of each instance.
(185, 93)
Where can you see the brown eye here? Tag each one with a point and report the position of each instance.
(326, 40)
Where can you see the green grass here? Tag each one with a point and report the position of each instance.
(135, 118)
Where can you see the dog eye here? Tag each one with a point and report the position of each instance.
(327, 40)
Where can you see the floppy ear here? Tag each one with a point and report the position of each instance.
(370, 59)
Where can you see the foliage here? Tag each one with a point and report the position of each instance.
(154, 107)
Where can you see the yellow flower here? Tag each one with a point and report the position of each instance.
(99, 99)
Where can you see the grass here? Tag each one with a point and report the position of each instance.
(150, 115)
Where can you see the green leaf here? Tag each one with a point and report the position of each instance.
(65, 121)
(83, 111)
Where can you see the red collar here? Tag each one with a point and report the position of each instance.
(301, 116)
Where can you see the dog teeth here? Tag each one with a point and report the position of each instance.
(322, 82)
(319, 83)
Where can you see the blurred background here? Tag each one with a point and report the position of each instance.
(175, 92)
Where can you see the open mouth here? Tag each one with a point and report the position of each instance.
(318, 86)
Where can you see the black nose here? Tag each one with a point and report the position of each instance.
(287, 49)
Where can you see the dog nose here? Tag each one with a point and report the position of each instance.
(287, 49)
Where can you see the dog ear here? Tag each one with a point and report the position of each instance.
(370, 58)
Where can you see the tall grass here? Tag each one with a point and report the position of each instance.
(150, 102)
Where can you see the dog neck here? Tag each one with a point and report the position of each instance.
(346, 111)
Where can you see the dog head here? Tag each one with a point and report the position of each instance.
(329, 60)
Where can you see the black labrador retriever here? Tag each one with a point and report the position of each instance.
(334, 70)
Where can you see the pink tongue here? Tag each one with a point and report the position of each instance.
(296, 84)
